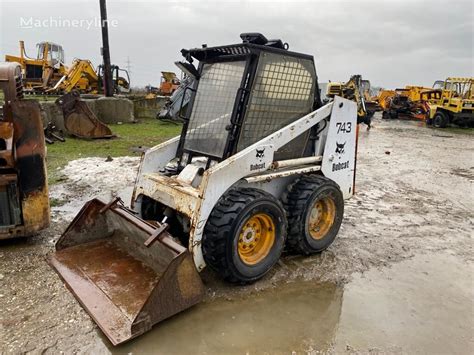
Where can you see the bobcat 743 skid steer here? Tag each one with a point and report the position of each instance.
(260, 164)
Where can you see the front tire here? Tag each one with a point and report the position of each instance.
(244, 235)
(315, 208)
(440, 120)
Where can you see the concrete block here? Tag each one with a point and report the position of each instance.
(114, 109)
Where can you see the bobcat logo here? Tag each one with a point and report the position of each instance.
(340, 148)
(260, 153)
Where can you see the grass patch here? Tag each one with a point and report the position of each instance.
(147, 133)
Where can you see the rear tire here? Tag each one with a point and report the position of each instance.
(315, 208)
(440, 120)
(244, 235)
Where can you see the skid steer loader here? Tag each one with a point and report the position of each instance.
(260, 164)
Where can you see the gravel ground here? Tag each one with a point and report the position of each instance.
(414, 197)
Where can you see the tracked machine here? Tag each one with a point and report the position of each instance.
(261, 164)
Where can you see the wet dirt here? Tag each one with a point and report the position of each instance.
(397, 279)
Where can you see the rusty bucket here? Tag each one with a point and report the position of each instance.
(79, 120)
(124, 282)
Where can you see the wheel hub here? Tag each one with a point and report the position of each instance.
(256, 238)
(321, 217)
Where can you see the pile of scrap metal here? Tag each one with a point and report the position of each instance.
(48, 74)
(24, 203)
(409, 103)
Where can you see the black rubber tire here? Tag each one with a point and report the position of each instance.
(221, 233)
(298, 201)
(440, 120)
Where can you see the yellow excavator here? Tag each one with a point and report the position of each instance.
(81, 76)
(353, 90)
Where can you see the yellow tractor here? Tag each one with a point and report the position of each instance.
(456, 104)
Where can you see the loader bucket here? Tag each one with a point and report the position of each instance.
(79, 120)
(125, 286)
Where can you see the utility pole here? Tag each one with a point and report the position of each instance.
(108, 85)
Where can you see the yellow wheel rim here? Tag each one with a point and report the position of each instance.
(321, 217)
(256, 238)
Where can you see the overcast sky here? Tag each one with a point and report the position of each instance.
(391, 43)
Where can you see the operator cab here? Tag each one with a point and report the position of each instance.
(242, 93)
(52, 52)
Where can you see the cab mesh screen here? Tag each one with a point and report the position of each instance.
(212, 110)
(283, 91)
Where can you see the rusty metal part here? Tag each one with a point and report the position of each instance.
(10, 81)
(124, 285)
(79, 120)
(24, 198)
(51, 134)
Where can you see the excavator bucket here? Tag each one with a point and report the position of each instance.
(127, 273)
(79, 120)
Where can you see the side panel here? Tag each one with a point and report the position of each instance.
(340, 150)
(153, 160)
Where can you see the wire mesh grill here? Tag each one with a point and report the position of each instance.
(283, 91)
(213, 106)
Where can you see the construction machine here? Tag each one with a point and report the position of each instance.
(45, 70)
(24, 203)
(410, 102)
(370, 100)
(82, 77)
(169, 83)
(455, 104)
(261, 164)
(175, 107)
(120, 79)
(353, 90)
(47, 73)
(383, 98)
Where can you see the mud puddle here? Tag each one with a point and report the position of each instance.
(423, 305)
(298, 316)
